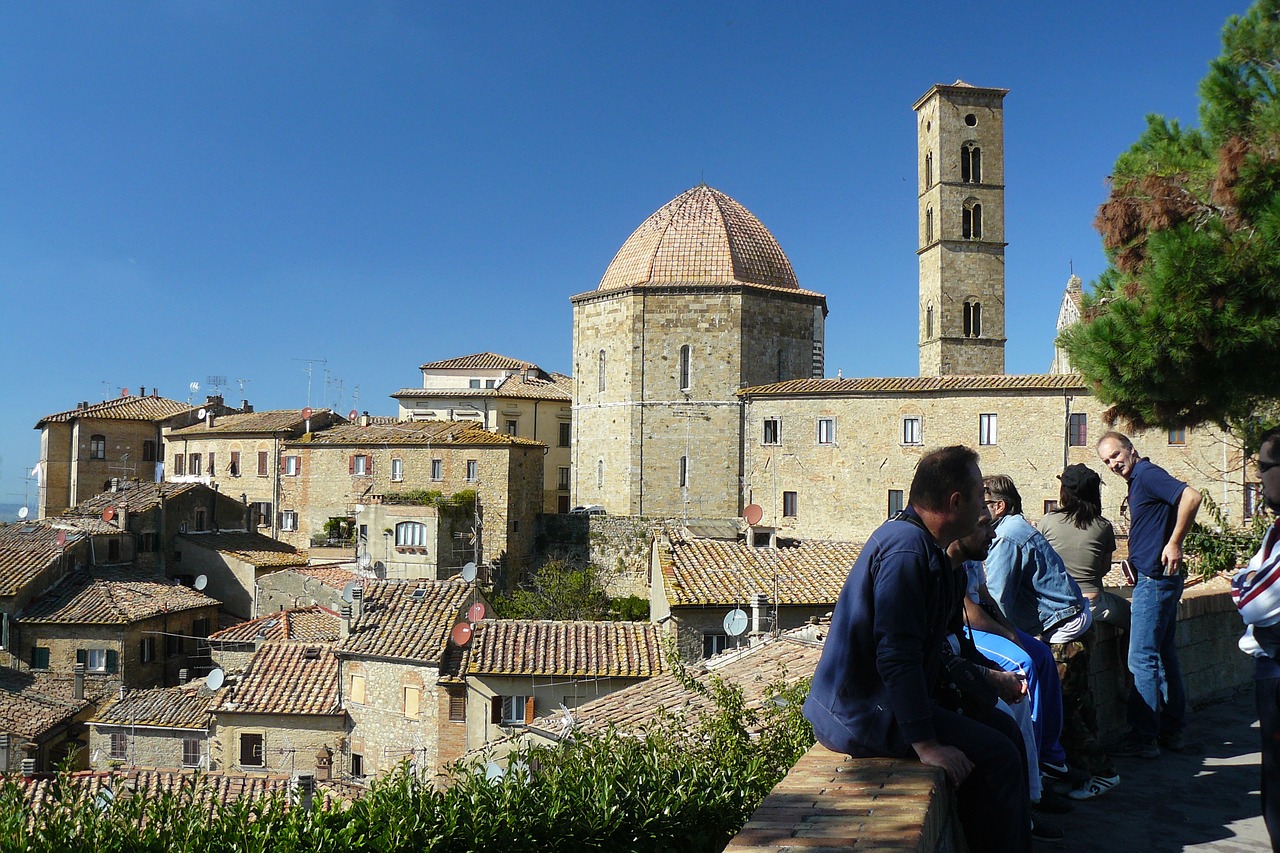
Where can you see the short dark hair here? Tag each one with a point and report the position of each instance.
(1115, 436)
(941, 473)
(1000, 487)
(1269, 436)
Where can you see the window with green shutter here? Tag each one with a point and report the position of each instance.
(39, 657)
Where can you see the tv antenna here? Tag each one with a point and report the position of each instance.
(242, 383)
(311, 366)
(215, 382)
(192, 390)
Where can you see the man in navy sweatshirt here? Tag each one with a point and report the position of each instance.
(874, 691)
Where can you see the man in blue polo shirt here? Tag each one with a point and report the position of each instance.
(1161, 512)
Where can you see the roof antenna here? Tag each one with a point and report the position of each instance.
(1071, 266)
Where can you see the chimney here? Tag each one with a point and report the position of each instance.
(122, 691)
(324, 764)
(122, 517)
(77, 686)
(357, 603)
(759, 608)
(344, 629)
(184, 675)
(142, 390)
(306, 790)
(365, 419)
(84, 404)
(208, 418)
(245, 408)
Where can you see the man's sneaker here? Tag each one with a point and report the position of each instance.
(1063, 772)
(1173, 741)
(1042, 831)
(1051, 803)
(1095, 787)
(1133, 746)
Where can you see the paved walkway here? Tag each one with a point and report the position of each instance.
(1204, 798)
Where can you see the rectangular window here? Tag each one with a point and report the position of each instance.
(513, 427)
(566, 431)
(289, 520)
(98, 447)
(201, 521)
(39, 657)
(191, 752)
(474, 383)
(212, 469)
(714, 644)
(113, 549)
(148, 451)
(517, 710)
(96, 660)
(179, 465)
(149, 543)
(896, 503)
(262, 509)
(119, 746)
(175, 644)
(194, 464)
(412, 701)
(790, 504)
(292, 466)
(200, 627)
(362, 466)
(262, 463)
(357, 688)
(457, 708)
(986, 429)
(772, 431)
(562, 482)
(437, 469)
(251, 751)
(1078, 430)
(148, 650)
(234, 468)
(473, 470)
(491, 383)
(826, 430)
(357, 765)
(911, 430)
(397, 470)
(1178, 437)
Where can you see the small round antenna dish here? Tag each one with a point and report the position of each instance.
(469, 572)
(461, 634)
(364, 561)
(352, 415)
(306, 413)
(348, 590)
(735, 622)
(23, 513)
(380, 569)
(203, 413)
(476, 611)
(108, 513)
(61, 538)
(215, 679)
(493, 773)
(752, 514)
(201, 581)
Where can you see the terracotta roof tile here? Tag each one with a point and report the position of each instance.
(123, 409)
(202, 790)
(162, 707)
(398, 621)
(313, 623)
(918, 384)
(527, 647)
(286, 678)
(332, 575)
(112, 596)
(252, 548)
(715, 572)
(409, 433)
(28, 712)
(516, 386)
(272, 422)
(26, 549)
(139, 497)
(480, 361)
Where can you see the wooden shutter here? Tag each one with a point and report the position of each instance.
(82, 656)
(262, 463)
(351, 465)
(495, 710)
(213, 472)
(113, 660)
(528, 709)
(368, 466)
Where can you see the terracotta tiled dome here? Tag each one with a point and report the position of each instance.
(700, 237)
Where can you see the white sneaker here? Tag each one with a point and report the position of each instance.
(1095, 787)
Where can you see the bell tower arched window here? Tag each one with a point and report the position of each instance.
(601, 382)
(928, 225)
(971, 227)
(972, 319)
(928, 170)
(686, 357)
(970, 163)
(928, 322)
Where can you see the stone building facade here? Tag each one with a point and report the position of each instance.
(231, 563)
(505, 395)
(960, 142)
(166, 727)
(699, 302)
(302, 586)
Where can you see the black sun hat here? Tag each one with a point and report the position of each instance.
(1077, 477)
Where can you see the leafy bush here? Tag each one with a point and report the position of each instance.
(1218, 546)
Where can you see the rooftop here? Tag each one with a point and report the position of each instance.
(481, 361)
(47, 790)
(161, 707)
(332, 575)
(528, 647)
(122, 409)
(409, 433)
(918, 385)
(26, 549)
(515, 386)
(271, 423)
(314, 624)
(407, 620)
(112, 596)
(714, 572)
(137, 495)
(252, 548)
(286, 678)
(28, 712)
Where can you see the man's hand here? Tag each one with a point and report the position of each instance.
(1171, 558)
(1010, 686)
(956, 764)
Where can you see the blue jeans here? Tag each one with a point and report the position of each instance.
(1044, 690)
(1158, 700)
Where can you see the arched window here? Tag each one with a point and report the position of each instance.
(928, 322)
(685, 356)
(972, 319)
(971, 227)
(928, 225)
(970, 163)
(928, 170)
(411, 534)
(600, 474)
(601, 383)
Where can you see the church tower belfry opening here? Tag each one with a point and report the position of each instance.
(960, 147)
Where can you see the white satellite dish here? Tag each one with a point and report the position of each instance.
(203, 413)
(735, 622)
(469, 572)
(348, 590)
(365, 561)
(23, 513)
(201, 581)
(215, 679)
(380, 569)
(493, 773)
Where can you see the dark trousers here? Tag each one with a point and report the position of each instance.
(993, 803)
(1268, 698)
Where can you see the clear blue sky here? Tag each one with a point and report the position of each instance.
(193, 189)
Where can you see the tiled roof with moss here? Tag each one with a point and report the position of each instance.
(533, 647)
(407, 620)
(712, 572)
(286, 678)
(312, 623)
(917, 385)
(270, 423)
(411, 433)
(28, 712)
(480, 361)
(130, 408)
(136, 495)
(201, 790)
(252, 548)
(184, 707)
(27, 549)
(112, 596)
(332, 575)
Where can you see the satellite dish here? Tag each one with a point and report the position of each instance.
(476, 611)
(352, 415)
(306, 413)
(108, 513)
(201, 581)
(461, 634)
(61, 538)
(752, 514)
(23, 513)
(469, 572)
(348, 590)
(203, 413)
(364, 561)
(735, 622)
(493, 773)
(215, 679)
(380, 568)
(359, 509)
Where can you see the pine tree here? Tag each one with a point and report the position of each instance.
(1183, 327)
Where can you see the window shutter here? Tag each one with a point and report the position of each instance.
(351, 465)
(113, 660)
(82, 656)
(212, 471)
(368, 465)
(280, 520)
(282, 466)
(495, 710)
(142, 649)
(528, 709)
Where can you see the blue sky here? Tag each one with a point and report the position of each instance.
(196, 189)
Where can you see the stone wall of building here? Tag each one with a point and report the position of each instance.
(56, 453)
(290, 741)
(145, 746)
(381, 731)
(619, 547)
(249, 484)
(284, 590)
